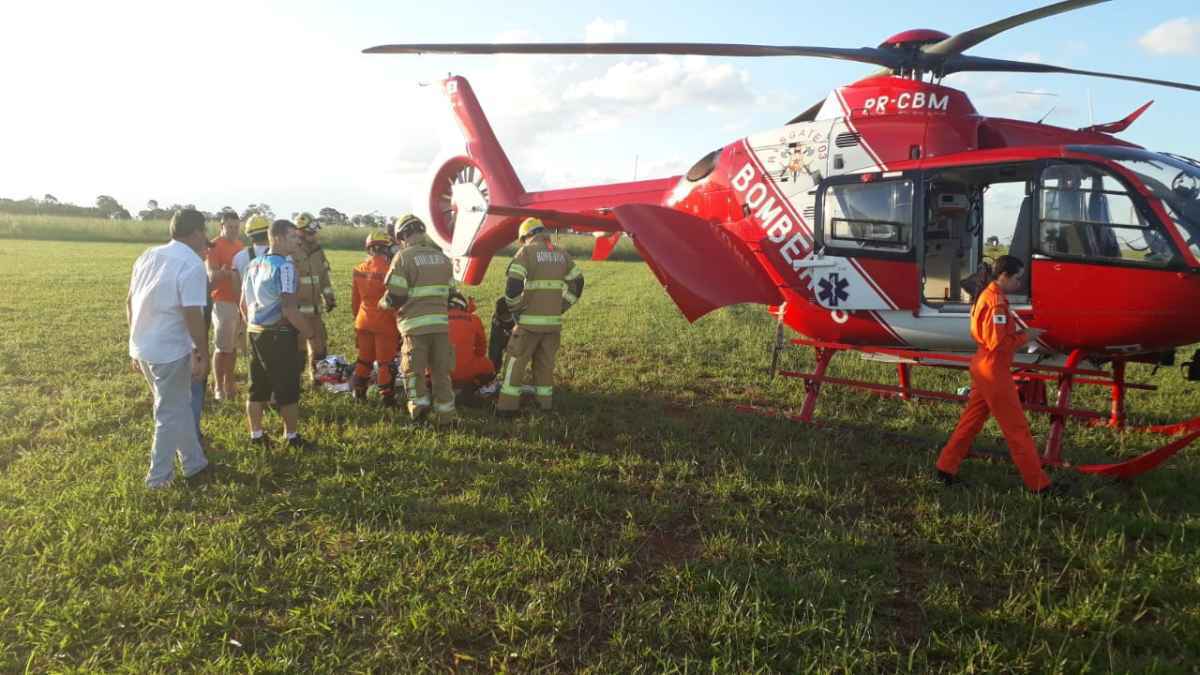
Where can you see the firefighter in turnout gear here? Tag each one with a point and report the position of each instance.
(315, 291)
(374, 328)
(418, 286)
(542, 283)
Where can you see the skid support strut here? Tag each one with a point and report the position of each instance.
(813, 386)
(904, 371)
(1058, 422)
(1117, 421)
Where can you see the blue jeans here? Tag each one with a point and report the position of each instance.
(198, 389)
(174, 421)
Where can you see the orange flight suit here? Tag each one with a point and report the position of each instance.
(994, 329)
(375, 329)
(472, 367)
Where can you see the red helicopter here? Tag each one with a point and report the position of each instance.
(859, 223)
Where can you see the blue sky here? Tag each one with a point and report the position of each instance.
(236, 102)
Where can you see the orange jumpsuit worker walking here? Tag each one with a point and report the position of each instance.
(993, 327)
(375, 328)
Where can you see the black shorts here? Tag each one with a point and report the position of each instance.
(275, 366)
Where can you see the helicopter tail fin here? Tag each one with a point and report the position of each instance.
(475, 201)
(464, 182)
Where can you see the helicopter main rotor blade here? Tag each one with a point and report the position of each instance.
(879, 57)
(957, 44)
(967, 64)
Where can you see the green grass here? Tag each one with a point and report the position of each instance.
(646, 527)
(69, 229)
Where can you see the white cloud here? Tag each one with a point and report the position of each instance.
(299, 119)
(1174, 37)
(568, 122)
(601, 30)
(667, 82)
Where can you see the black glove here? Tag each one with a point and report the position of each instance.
(502, 310)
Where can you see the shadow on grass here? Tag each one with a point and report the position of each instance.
(693, 503)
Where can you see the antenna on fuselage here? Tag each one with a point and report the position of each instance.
(1041, 93)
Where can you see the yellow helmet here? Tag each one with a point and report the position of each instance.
(258, 224)
(530, 226)
(305, 221)
(408, 224)
(378, 238)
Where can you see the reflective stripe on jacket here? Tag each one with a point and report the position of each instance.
(366, 290)
(544, 269)
(421, 276)
(312, 269)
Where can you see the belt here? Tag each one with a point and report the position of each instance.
(281, 328)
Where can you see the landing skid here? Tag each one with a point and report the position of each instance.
(1031, 380)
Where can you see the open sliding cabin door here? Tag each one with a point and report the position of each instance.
(973, 215)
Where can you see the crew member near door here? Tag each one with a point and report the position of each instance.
(374, 328)
(994, 329)
(542, 283)
(315, 292)
(418, 285)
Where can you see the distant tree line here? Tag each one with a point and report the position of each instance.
(108, 207)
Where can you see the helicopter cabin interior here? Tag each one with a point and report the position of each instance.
(1053, 209)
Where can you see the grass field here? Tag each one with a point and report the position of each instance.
(336, 238)
(645, 527)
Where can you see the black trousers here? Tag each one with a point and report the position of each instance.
(275, 366)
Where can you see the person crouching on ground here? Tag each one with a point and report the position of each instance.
(374, 328)
(994, 329)
(167, 340)
(275, 325)
(472, 369)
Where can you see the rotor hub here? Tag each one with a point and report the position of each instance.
(915, 38)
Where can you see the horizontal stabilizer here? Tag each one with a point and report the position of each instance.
(557, 219)
(702, 266)
(604, 246)
(1120, 125)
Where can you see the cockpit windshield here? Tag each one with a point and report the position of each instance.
(1173, 179)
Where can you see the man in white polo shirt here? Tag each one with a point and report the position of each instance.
(165, 307)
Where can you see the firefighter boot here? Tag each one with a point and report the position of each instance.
(418, 412)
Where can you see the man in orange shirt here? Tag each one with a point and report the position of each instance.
(472, 368)
(375, 329)
(994, 329)
(227, 320)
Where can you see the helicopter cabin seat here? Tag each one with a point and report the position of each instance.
(1022, 239)
(945, 248)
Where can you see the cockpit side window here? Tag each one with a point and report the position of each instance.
(869, 216)
(1088, 213)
